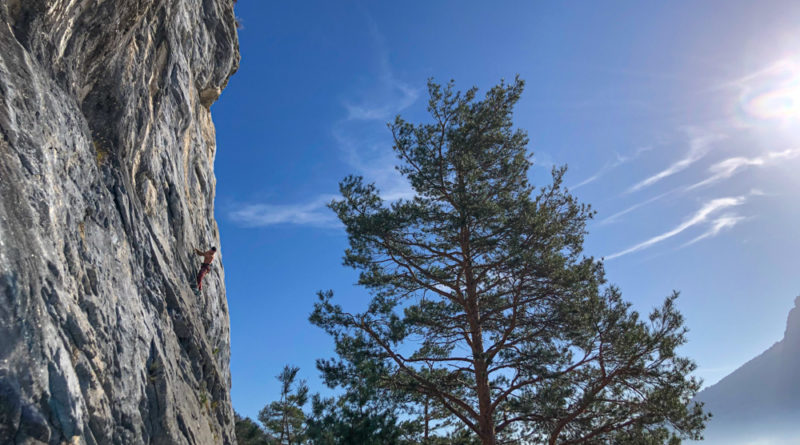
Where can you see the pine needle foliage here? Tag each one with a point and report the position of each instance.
(483, 301)
(284, 418)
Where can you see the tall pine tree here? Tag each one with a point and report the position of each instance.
(483, 302)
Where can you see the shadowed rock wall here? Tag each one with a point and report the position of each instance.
(106, 184)
(760, 401)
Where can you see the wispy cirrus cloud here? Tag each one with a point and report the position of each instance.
(401, 96)
(716, 227)
(590, 179)
(699, 217)
(363, 142)
(615, 217)
(362, 137)
(312, 213)
(620, 160)
(779, 69)
(720, 171)
(730, 166)
(747, 123)
(386, 95)
(375, 161)
(700, 143)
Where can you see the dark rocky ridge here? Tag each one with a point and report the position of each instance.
(763, 395)
(106, 184)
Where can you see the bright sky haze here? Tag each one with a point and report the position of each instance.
(679, 122)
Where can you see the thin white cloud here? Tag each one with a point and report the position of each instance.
(375, 161)
(777, 68)
(717, 226)
(363, 142)
(542, 159)
(362, 136)
(389, 95)
(728, 167)
(615, 217)
(313, 213)
(401, 96)
(590, 179)
(720, 171)
(699, 145)
(699, 217)
(620, 159)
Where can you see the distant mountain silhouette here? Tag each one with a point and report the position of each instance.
(762, 397)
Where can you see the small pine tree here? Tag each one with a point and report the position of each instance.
(364, 413)
(285, 418)
(248, 432)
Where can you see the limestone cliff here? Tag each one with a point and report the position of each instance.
(106, 184)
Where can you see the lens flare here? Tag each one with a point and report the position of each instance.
(782, 103)
(774, 95)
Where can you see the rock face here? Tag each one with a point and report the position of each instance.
(106, 185)
(762, 397)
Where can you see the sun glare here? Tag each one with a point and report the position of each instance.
(775, 94)
(782, 103)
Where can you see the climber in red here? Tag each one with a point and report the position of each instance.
(208, 257)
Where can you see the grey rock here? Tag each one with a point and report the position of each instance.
(106, 184)
(762, 396)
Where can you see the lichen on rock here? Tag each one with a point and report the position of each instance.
(106, 184)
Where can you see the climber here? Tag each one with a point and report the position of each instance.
(208, 256)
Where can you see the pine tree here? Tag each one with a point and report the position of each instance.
(285, 418)
(483, 301)
(248, 432)
(365, 412)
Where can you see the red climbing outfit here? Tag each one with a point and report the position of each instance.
(201, 273)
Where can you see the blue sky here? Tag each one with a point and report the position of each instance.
(680, 124)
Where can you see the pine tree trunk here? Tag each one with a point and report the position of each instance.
(427, 421)
(486, 422)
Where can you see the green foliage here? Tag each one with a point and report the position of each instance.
(370, 409)
(483, 302)
(365, 412)
(248, 432)
(338, 421)
(285, 418)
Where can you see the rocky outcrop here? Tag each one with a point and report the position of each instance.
(763, 395)
(106, 184)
